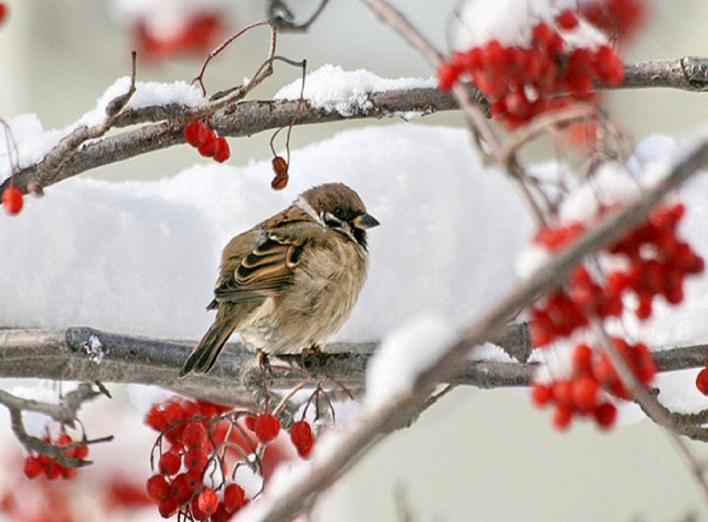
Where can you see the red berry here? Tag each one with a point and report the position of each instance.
(207, 148)
(567, 19)
(12, 200)
(193, 479)
(3, 11)
(169, 463)
(301, 437)
(250, 422)
(223, 152)
(156, 418)
(208, 501)
(52, 470)
(563, 393)
(195, 459)
(174, 412)
(205, 132)
(493, 54)
(234, 497)
(448, 73)
(541, 394)
(179, 488)
(157, 488)
(194, 435)
(585, 393)
(267, 427)
(605, 414)
(701, 384)
(33, 467)
(168, 507)
(582, 358)
(192, 132)
(197, 513)
(562, 417)
(644, 308)
(67, 473)
(81, 452)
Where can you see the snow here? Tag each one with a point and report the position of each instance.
(23, 140)
(142, 257)
(146, 94)
(491, 353)
(402, 356)
(346, 92)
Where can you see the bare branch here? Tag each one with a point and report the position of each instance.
(73, 354)
(689, 73)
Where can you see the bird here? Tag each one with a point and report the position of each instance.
(291, 281)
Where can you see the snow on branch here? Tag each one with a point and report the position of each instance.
(160, 125)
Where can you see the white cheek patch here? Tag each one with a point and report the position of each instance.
(304, 205)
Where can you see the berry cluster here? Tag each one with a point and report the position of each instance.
(189, 448)
(197, 439)
(200, 135)
(12, 200)
(657, 263)
(593, 375)
(39, 464)
(548, 74)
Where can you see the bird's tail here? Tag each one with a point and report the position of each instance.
(204, 354)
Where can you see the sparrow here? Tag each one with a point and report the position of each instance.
(291, 281)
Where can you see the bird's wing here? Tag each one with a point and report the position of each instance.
(266, 269)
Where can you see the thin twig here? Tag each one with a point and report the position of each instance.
(649, 404)
(473, 111)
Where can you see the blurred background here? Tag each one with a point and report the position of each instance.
(478, 455)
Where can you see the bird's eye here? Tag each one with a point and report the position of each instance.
(340, 213)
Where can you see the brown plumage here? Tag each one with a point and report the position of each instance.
(291, 281)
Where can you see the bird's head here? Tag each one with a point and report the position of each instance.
(338, 207)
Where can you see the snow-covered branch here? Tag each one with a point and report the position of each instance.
(162, 124)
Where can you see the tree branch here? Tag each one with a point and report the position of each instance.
(85, 354)
(162, 125)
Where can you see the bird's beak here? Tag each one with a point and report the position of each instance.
(365, 221)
